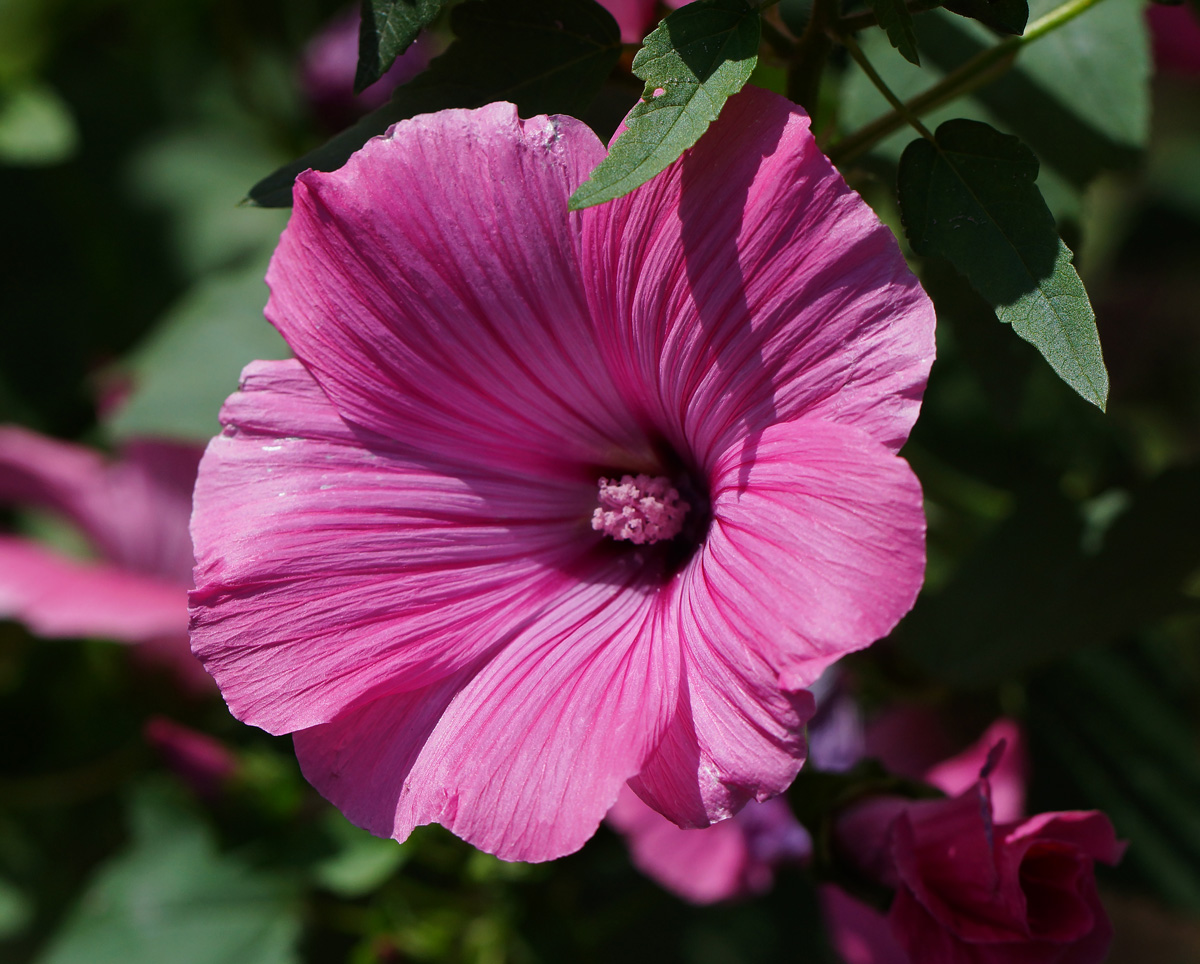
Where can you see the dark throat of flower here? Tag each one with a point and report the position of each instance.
(662, 518)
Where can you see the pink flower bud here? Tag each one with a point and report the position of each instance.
(203, 763)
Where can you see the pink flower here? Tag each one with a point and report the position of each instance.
(203, 763)
(971, 890)
(637, 17)
(1175, 32)
(911, 742)
(733, 858)
(395, 552)
(133, 513)
(738, 857)
(328, 65)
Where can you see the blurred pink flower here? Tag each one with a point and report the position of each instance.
(971, 889)
(203, 763)
(738, 857)
(636, 17)
(133, 512)
(734, 858)
(328, 65)
(911, 742)
(1175, 33)
(395, 552)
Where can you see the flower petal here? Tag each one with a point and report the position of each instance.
(1007, 778)
(747, 284)
(634, 17)
(816, 549)
(332, 569)
(521, 756)
(442, 263)
(62, 598)
(734, 737)
(65, 478)
(701, 866)
(134, 510)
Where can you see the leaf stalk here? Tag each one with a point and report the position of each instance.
(808, 60)
(979, 70)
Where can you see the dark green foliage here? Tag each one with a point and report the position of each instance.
(1077, 97)
(387, 29)
(698, 57)
(545, 56)
(897, 22)
(172, 897)
(1118, 730)
(970, 197)
(1004, 16)
(1040, 587)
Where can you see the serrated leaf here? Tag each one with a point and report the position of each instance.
(701, 55)
(386, 30)
(1089, 80)
(545, 56)
(970, 197)
(173, 897)
(897, 23)
(1004, 16)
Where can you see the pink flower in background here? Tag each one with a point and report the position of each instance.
(328, 65)
(133, 512)
(637, 17)
(204, 764)
(395, 552)
(734, 858)
(1175, 33)
(738, 857)
(971, 888)
(912, 742)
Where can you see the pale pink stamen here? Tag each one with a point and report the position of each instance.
(640, 508)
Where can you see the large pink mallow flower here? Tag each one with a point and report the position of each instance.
(405, 552)
(133, 513)
(970, 888)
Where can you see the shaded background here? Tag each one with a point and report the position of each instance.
(1064, 569)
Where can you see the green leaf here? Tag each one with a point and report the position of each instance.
(192, 175)
(970, 197)
(1117, 742)
(1089, 80)
(545, 56)
(387, 28)
(16, 910)
(897, 22)
(362, 862)
(698, 57)
(1005, 16)
(36, 127)
(1030, 592)
(183, 372)
(173, 897)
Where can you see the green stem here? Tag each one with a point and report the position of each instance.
(881, 85)
(783, 45)
(808, 60)
(976, 72)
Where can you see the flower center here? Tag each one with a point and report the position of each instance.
(641, 509)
